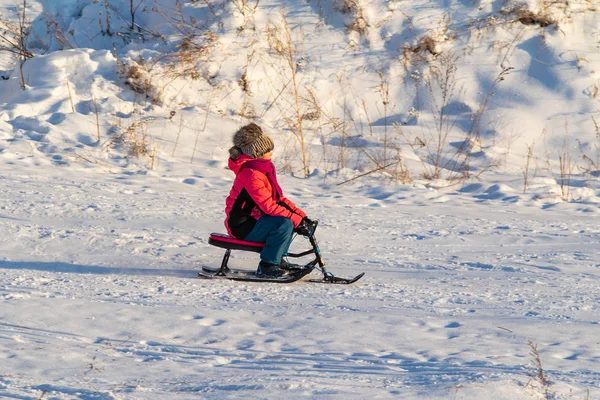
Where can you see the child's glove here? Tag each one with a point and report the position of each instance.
(306, 227)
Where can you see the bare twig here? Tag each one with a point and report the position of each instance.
(369, 172)
(70, 96)
(97, 117)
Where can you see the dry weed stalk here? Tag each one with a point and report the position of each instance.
(475, 130)
(391, 164)
(538, 375)
(134, 138)
(105, 28)
(208, 106)
(438, 159)
(133, 10)
(196, 44)
(566, 171)
(13, 37)
(281, 41)
(247, 11)
(384, 91)
(590, 154)
(97, 118)
(154, 158)
(57, 29)
(178, 131)
(526, 168)
(70, 95)
(23, 35)
(565, 165)
(443, 80)
(247, 109)
(528, 159)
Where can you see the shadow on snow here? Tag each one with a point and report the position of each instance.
(96, 270)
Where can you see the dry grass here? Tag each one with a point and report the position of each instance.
(415, 54)
(191, 52)
(528, 17)
(380, 154)
(14, 37)
(444, 149)
(246, 9)
(428, 46)
(590, 153)
(290, 98)
(133, 139)
(539, 380)
(57, 29)
(139, 77)
(357, 21)
(196, 44)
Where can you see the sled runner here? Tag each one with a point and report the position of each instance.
(296, 272)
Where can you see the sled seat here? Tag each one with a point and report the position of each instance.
(230, 243)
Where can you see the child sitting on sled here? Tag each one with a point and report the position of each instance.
(257, 210)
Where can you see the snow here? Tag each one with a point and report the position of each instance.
(109, 196)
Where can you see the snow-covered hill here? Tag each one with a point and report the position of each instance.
(451, 149)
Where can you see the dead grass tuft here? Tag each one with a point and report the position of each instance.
(191, 51)
(357, 22)
(528, 17)
(428, 46)
(138, 76)
(133, 139)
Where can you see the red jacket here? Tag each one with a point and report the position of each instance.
(251, 197)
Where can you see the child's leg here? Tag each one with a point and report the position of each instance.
(276, 233)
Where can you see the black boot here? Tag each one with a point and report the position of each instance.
(290, 268)
(270, 270)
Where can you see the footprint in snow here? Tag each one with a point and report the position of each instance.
(190, 181)
(453, 325)
(56, 118)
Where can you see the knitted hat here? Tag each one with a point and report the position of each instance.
(252, 141)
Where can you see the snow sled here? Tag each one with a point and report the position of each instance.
(296, 271)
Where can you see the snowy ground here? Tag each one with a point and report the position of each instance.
(100, 298)
(108, 197)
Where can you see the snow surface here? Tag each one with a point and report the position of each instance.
(99, 248)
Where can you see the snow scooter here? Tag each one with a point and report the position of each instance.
(295, 271)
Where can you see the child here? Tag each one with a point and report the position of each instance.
(256, 209)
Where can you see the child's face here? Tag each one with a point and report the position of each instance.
(266, 156)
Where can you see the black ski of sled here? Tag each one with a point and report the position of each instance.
(250, 276)
(336, 280)
(244, 274)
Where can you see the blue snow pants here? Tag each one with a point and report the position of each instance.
(276, 233)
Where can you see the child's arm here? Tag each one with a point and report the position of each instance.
(258, 187)
(293, 207)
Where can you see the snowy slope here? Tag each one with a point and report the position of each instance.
(100, 298)
(113, 174)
